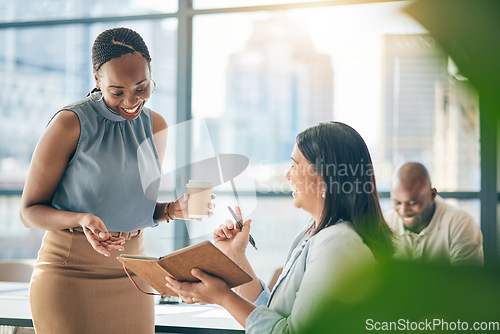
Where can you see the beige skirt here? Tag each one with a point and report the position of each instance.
(74, 289)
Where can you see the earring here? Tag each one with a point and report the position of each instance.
(93, 91)
(154, 89)
(323, 194)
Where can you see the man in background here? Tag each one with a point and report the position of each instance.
(427, 229)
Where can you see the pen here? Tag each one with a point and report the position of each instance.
(238, 221)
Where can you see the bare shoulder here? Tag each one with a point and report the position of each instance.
(65, 122)
(62, 133)
(159, 122)
(50, 158)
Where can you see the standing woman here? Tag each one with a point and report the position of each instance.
(84, 188)
(332, 179)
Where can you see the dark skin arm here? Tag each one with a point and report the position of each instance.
(50, 158)
(177, 209)
(160, 133)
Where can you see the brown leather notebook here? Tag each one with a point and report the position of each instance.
(178, 265)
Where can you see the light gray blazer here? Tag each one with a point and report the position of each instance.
(314, 269)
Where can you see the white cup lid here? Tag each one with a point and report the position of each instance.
(198, 184)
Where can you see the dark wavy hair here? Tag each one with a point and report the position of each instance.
(341, 157)
(114, 43)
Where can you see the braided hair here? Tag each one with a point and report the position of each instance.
(116, 42)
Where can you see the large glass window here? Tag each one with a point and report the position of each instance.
(275, 73)
(207, 4)
(36, 10)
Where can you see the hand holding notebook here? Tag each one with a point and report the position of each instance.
(204, 256)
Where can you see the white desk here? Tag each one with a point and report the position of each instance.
(171, 318)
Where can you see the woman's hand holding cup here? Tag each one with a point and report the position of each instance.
(196, 204)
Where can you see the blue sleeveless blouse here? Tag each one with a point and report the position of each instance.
(115, 171)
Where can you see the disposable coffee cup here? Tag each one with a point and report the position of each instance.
(200, 196)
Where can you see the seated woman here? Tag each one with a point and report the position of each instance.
(332, 178)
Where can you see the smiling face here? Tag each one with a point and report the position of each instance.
(125, 83)
(306, 184)
(413, 200)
